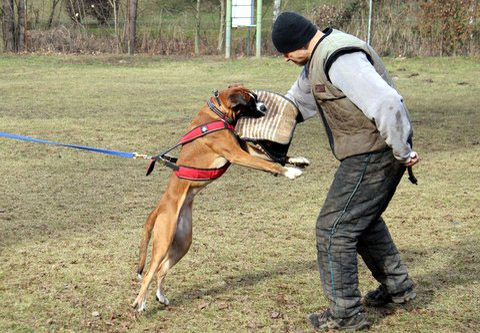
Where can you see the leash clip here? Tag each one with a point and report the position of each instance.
(137, 156)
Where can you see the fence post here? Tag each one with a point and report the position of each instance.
(258, 50)
(228, 32)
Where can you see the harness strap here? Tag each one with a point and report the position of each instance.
(193, 173)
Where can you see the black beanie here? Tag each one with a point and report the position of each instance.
(291, 32)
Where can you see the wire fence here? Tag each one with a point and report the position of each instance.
(406, 28)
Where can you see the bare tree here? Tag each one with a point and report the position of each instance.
(114, 5)
(197, 29)
(221, 33)
(8, 25)
(277, 4)
(131, 26)
(22, 24)
(52, 13)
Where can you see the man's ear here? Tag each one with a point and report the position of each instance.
(237, 98)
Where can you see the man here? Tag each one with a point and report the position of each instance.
(369, 131)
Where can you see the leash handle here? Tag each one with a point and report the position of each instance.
(411, 176)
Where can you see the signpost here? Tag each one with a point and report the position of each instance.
(241, 13)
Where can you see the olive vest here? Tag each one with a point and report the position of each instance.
(349, 131)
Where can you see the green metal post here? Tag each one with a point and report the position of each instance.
(228, 32)
(259, 29)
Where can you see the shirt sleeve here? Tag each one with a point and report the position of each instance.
(301, 94)
(356, 77)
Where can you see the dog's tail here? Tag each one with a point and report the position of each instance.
(147, 233)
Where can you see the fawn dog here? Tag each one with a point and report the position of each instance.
(171, 220)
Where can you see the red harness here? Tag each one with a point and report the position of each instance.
(188, 172)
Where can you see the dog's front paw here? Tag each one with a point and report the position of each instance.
(293, 173)
(298, 161)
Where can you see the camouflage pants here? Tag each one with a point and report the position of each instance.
(350, 222)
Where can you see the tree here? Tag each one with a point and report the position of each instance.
(14, 32)
(22, 24)
(197, 29)
(277, 4)
(52, 13)
(8, 25)
(221, 33)
(131, 26)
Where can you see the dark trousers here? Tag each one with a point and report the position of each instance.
(350, 222)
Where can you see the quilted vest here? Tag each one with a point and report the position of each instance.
(349, 131)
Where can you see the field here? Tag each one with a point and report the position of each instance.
(70, 221)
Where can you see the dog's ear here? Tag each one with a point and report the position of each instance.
(236, 99)
(235, 85)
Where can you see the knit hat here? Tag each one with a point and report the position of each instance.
(291, 32)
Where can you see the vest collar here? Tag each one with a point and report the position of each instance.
(326, 32)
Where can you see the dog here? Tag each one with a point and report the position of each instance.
(171, 220)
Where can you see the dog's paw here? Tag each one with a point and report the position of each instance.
(293, 173)
(140, 306)
(162, 299)
(298, 161)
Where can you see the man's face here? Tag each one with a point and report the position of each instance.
(299, 57)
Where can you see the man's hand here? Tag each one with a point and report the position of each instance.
(414, 159)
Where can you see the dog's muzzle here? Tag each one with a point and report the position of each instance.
(259, 106)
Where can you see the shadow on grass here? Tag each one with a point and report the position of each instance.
(242, 281)
(461, 269)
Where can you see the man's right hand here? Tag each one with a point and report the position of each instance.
(414, 159)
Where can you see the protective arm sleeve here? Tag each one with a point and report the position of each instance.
(356, 77)
(301, 94)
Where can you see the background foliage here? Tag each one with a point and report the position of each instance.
(407, 28)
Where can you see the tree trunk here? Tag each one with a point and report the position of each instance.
(131, 26)
(22, 25)
(277, 4)
(113, 3)
(221, 33)
(52, 13)
(197, 29)
(8, 25)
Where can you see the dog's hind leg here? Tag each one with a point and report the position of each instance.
(180, 246)
(163, 233)
(146, 234)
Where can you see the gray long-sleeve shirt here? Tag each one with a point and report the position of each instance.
(355, 76)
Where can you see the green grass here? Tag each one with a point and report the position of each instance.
(70, 221)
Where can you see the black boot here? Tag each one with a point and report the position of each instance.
(381, 297)
(325, 321)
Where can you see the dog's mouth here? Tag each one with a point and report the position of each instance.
(256, 108)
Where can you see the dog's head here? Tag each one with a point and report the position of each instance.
(241, 102)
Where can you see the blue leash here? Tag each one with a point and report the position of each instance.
(103, 151)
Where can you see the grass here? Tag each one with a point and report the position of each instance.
(70, 221)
